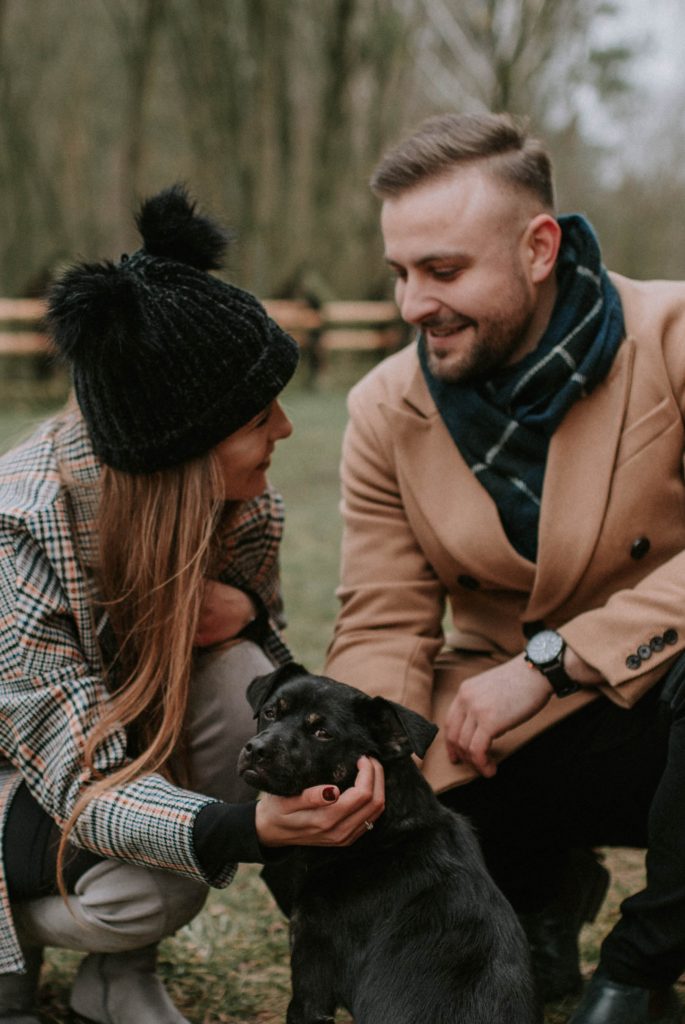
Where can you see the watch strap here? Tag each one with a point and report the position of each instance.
(559, 680)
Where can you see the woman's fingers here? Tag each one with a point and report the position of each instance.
(321, 815)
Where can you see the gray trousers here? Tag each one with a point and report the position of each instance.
(118, 906)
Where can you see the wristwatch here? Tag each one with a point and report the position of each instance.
(545, 652)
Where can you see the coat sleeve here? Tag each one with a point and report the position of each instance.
(647, 626)
(389, 628)
(50, 699)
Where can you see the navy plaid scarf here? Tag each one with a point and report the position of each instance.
(503, 426)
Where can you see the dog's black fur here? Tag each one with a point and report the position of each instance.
(404, 926)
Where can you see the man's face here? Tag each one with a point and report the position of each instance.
(458, 247)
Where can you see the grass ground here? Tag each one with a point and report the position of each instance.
(230, 965)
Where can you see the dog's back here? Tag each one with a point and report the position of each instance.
(414, 929)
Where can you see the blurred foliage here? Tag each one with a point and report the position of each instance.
(276, 113)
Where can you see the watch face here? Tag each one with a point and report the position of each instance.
(545, 647)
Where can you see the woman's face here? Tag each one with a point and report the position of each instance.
(245, 456)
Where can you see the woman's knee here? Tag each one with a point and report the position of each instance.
(219, 720)
(137, 906)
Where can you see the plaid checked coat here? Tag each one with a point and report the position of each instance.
(51, 690)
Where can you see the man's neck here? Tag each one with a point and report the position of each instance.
(546, 298)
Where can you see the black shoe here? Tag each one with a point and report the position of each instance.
(608, 1002)
(553, 932)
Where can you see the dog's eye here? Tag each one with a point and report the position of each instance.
(322, 734)
(269, 714)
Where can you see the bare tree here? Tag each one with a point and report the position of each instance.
(524, 56)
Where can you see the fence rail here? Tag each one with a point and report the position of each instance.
(335, 326)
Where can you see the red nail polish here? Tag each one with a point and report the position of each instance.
(329, 794)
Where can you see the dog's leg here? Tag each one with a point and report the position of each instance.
(313, 980)
(297, 1016)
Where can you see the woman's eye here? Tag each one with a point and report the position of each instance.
(322, 734)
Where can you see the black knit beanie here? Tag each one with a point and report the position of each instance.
(166, 359)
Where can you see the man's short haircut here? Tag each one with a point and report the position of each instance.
(442, 143)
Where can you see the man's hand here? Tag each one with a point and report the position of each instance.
(224, 613)
(489, 705)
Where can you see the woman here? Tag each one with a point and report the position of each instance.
(139, 595)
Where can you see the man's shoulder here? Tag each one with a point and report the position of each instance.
(650, 305)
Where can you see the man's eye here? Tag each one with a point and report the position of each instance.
(445, 273)
(322, 734)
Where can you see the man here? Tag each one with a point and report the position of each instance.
(523, 461)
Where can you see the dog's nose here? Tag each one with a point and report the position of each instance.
(255, 749)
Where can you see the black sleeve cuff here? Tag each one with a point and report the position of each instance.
(226, 834)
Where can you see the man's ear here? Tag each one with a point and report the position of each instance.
(261, 688)
(542, 240)
(398, 731)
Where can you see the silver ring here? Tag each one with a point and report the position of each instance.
(368, 825)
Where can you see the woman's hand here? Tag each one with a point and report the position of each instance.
(322, 815)
(224, 613)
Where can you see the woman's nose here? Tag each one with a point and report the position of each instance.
(282, 426)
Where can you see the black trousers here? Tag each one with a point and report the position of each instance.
(30, 850)
(602, 777)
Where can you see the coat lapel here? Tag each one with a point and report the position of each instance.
(461, 513)
(574, 499)
(576, 486)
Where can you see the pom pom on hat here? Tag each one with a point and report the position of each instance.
(166, 359)
(172, 229)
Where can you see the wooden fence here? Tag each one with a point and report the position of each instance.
(348, 326)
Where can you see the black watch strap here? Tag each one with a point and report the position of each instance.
(560, 680)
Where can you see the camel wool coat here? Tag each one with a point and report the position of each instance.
(422, 534)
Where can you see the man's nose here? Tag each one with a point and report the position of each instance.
(416, 302)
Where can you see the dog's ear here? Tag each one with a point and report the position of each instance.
(398, 731)
(261, 687)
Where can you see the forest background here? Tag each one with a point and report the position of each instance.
(275, 111)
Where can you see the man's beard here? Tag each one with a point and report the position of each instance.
(493, 344)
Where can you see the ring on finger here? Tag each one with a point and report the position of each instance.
(368, 825)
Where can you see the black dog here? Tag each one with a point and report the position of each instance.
(404, 926)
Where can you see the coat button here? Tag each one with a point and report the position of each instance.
(640, 547)
(633, 661)
(468, 582)
(657, 643)
(644, 652)
(671, 636)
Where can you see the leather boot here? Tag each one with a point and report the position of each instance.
(608, 1002)
(19, 992)
(122, 988)
(553, 932)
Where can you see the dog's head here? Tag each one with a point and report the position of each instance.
(313, 730)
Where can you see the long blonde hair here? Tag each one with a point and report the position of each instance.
(155, 534)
